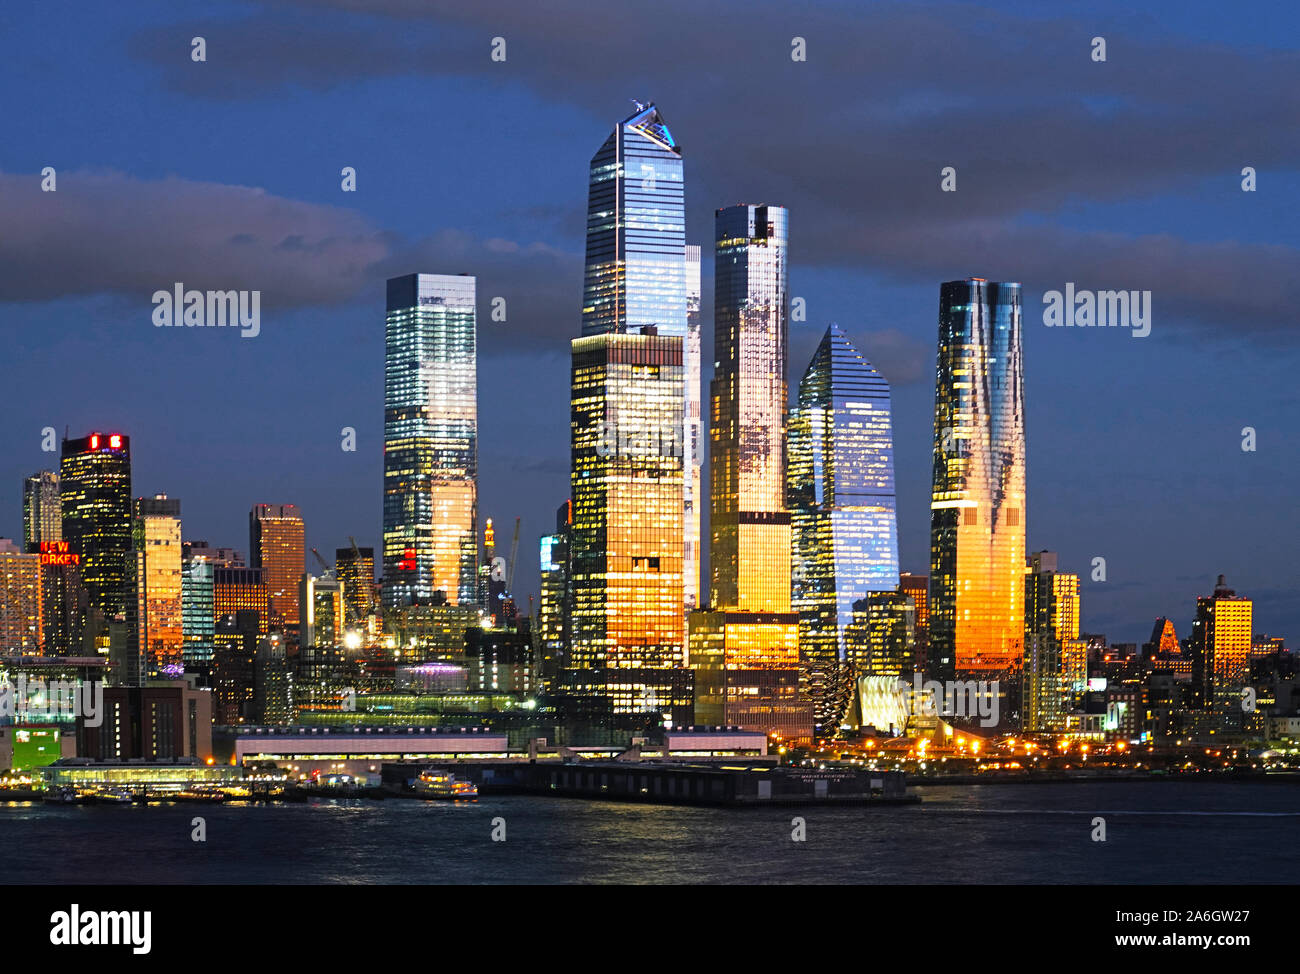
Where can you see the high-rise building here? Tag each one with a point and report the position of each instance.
(977, 508)
(430, 441)
(323, 599)
(745, 646)
(627, 533)
(841, 496)
(155, 610)
(554, 601)
(355, 568)
(636, 231)
(1220, 649)
(1052, 645)
(276, 541)
(95, 494)
(21, 630)
(238, 589)
(918, 588)
(42, 510)
(882, 638)
(692, 438)
(64, 603)
(198, 620)
(640, 274)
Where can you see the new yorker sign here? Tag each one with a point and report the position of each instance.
(58, 553)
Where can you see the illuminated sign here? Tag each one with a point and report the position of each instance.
(58, 553)
(1096, 684)
(114, 441)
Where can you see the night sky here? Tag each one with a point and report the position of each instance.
(226, 174)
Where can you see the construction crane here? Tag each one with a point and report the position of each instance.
(514, 552)
(324, 567)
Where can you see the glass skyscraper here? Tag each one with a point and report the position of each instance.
(692, 440)
(977, 509)
(626, 544)
(155, 611)
(42, 510)
(95, 490)
(1051, 637)
(430, 440)
(842, 502)
(277, 543)
(639, 275)
(745, 647)
(636, 231)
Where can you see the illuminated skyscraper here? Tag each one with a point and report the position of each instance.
(20, 600)
(639, 273)
(628, 406)
(154, 613)
(430, 441)
(323, 601)
(841, 495)
(636, 231)
(235, 589)
(627, 502)
(745, 647)
(977, 519)
(1220, 644)
(95, 491)
(692, 440)
(276, 539)
(1052, 645)
(355, 568)
(198, 620)
(555, 600)
(42, 510)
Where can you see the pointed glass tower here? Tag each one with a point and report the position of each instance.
(841, 496)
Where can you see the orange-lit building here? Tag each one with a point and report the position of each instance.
(276, 539)
(20, 600)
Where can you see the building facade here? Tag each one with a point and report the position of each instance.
(277, 544)
(430, 440)
(842, 502)
(977, 508)
(95, 494)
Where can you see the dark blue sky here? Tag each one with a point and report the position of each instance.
(225, 174)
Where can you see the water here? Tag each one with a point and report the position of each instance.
(1157, 832)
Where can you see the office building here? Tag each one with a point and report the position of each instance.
(155, 611)
(21, 624)
(95, 495)
(1220, 650)
(1051, 682)
(277, 547)
(977, 519)
(430, 440)
(42, 510)
(842, 503)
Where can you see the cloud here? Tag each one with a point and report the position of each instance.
(852, 140)
(108, 233)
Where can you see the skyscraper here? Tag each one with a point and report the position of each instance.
(745, 648)
(627, 502)
(430, 440)
(628, 401)
(1220, 644)
(20, 600)
(636, 231)
(276, 540)
(355, 568)
(640, 273)
(42, 510)
(554, 601)
(977, 508)
(1052, 645)
(841, 495)
(692, 439)
(154, 611)
(95, 492)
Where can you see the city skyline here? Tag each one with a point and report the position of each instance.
(1092, 462)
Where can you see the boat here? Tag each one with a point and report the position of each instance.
(112, 796)
(198, 795)
(64, 795)
(443, 784)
